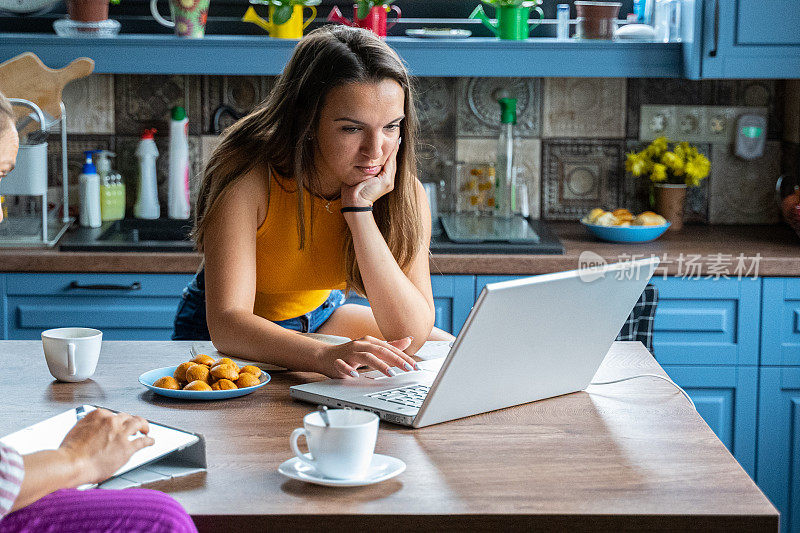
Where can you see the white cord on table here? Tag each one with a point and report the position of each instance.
(648, 376)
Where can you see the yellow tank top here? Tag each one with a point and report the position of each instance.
(291, 282)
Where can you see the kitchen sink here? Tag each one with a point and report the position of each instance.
(167, 235)
(135, 235)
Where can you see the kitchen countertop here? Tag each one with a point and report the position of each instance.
(696, 250)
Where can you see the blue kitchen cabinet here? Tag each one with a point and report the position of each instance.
(778, 467)
(3, 309)
(726, 397)
(741, 38)
(453, 296)
(481, 281)
(707, 321)
(123, 306)
(780, 323)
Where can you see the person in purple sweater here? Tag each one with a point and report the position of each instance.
(37, 491)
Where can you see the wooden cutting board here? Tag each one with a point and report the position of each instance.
(25, 76)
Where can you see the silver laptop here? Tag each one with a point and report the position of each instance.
(524, 340)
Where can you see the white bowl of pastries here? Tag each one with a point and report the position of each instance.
(620, 225)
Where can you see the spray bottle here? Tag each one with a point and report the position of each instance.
(147, 199)
(89, 183)
(178, 180)
(505, 185)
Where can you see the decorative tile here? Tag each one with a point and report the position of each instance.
(584, 107)
(478, 110)
(790, 158)
(480, 150)
(434, 99)
(128, 165)
(791, 129)
(208, 143)
(89, 103)
(754, 93)
(579, 174)
(435, 156)
(146, 101)
(76, 145)
(743, 192)
(667, 91)
(240, 93)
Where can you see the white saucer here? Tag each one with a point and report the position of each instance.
(381, 468)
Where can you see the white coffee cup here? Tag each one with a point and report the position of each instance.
(72, 353)
(342, 450)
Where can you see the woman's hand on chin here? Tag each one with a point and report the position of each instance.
(366, 192)
(342, 360)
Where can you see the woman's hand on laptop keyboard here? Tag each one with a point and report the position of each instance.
(342, 360)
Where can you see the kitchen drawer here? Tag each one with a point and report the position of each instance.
(707, 321)
(3, 309)
(726, 397)
(123, 306)
(778, 467)
(780, 329)
(115, 285)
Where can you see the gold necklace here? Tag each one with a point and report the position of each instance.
(328, 202)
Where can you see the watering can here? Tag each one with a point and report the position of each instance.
(374, 21)
(512, 21)
(291, 29)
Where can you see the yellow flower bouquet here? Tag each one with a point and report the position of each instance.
(682, 165)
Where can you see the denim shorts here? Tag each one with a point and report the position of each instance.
(191, 324)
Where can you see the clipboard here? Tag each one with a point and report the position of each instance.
(176, 453)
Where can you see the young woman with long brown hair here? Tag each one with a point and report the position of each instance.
(311, 195)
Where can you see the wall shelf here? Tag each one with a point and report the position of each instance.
(257, 55)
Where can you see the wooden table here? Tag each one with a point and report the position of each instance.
(633, 455)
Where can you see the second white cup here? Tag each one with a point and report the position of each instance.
(72, 353)
(342, 450)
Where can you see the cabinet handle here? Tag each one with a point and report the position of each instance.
(713, 51)
(135, 286)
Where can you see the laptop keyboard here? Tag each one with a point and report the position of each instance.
(412, 396)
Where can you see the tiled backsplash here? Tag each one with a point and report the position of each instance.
(575, 133)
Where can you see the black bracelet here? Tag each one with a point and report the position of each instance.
(355, 209)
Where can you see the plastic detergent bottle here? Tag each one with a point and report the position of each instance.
(89, 183)
(112, 189)
(178, 179)
(505, 185)
(147, 198)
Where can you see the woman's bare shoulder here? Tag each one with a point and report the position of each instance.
(247, 194)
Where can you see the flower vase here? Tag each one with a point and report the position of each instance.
(670, 199)
(87, 10)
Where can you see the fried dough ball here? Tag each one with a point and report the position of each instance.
(167, 382)
(225, 371)
(203, 359)
(622, 215)
(648, 218)
(593, 215)
(606, 219)
(226, 361)
(247, 380)
(198, 385)
(224, 384)
(250, 369)
(180, 372)
(197, 372)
